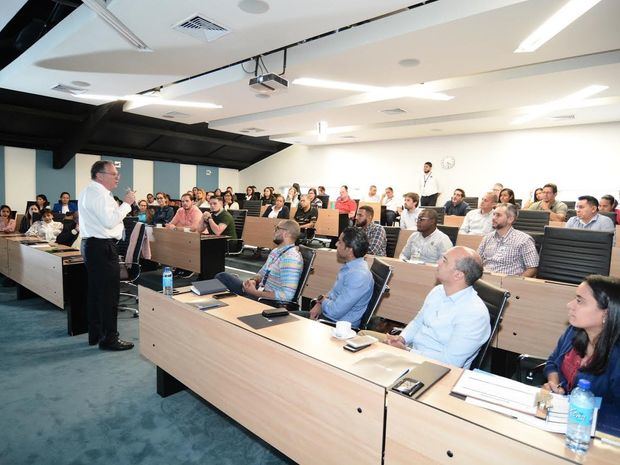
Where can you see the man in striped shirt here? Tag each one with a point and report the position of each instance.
(279, 276)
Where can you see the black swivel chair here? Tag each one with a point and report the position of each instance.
(569, 255)
(235, 246)
(440, 213)
(569, 203)
(324, 200)
(610, 215)
(308, 256)
(252, 207)
(570, 213)
(531, 221)
(451, 231)
(129, 249)
(471, 201)
(391, 234)
(495, 298)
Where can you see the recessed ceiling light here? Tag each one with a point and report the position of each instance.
(254, 7)
(80, 83)
(561, 19)
(136, 101)
(409, 62)
(393, 111)
(262, 95)
(562, 117)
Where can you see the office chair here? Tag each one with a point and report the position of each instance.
(391, 234)
(451, 231)
(569, 203)
(324, 200)
(235, 246)
(569, 255)
(570, 213)
(495, 299)
(308, 255)
(531, 221)
(130, 248)
(252, 207)
(440, 213)
(67, 236)
(471, 201)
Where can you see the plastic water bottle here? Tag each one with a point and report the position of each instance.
(166, 281)
(580, 411)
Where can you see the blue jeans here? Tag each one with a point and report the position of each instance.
(233, 283)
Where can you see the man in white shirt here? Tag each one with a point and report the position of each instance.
(428, 244)
(409, 214)
(372, 195)
(428, 187)
(101, 226)
(480, 221)
(391, 205)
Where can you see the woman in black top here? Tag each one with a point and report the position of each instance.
(164, 213)
(268, 198)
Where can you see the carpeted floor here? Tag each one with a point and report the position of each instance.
(63, 402)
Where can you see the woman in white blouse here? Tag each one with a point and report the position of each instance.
(46, 229)
(229, 202)
(292, 197)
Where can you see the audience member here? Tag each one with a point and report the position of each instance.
(507, 196)
(607, 204)
(548, 203)
(200, 198)
(268, 198)
(145, 214)
(28, 219)
(46, 229)
(377, 241)
(428, 187)
(321, 190)
(507, 250)
(391, 205)
(63, 205)
(587, 217)
(372, 195)
(536, 196)
(218, 221)
(349, 297)
(164, 212)
(188, 216)
(306, 215)
(150, 199)
(278, 210)
(314, 200)
(42, 202)
(428, 244)
(230, 189)
(453, 323)
(279, 276)
(480, 220)
(497, 189)
(293, 196)
(345, 204)
(456, 206)
(217, 192)
(7, 224)
(409, 214)
(251, 194)
(230, 202)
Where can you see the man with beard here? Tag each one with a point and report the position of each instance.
(377, 241)
(279, 276)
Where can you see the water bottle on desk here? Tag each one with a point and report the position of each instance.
(166, 281)
(580, 412)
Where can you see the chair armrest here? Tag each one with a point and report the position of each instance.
(327, 322)
(288, 304)
(396, 331)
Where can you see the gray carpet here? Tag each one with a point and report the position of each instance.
(63, 402)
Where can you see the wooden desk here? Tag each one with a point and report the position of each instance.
(331, 222)
(288, 384)
(59, 278)
(203, 254)
(469, 240)
(376, 207)
(453, 220)
(258, 231)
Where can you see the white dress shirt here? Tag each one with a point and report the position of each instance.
(100, 215)
(476, 222)
(428, 184)
(409, 219)
(390, 204)
(372, 198)
(45, 231)
(426, 249)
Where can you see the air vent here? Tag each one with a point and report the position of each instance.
(394, 111)
(348, 137)
(562, 117)
(66, 89)
(251, 130)
(175, 114)
(201, 28)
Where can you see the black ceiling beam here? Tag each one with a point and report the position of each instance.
(8, 108)
(163, 156)
(27, 141)
(83, 132)
(187, 135)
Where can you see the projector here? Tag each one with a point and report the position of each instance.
(268, 83)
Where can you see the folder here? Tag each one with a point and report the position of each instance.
(208, 286)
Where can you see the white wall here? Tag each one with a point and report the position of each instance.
(229, 177)
(580, 159)
(19, 187)
(142, 178)
(83, 162)
(187, 178)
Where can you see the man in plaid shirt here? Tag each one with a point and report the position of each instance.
(507, 250)
(376, 234)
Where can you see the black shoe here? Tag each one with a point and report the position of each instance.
(117, 344)
(93, 340)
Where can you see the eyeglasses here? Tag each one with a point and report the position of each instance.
(116, 175)
(422, 219)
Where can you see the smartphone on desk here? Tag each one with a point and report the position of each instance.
(223, 295)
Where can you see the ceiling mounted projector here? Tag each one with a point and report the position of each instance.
(268, 83)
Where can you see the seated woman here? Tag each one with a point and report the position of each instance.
(164, 212)
(536, 197)
(230, 202)
(145, 214)
(7, 224)
(268, 198)
(46, 229)
(279, 210)
(63, 205)
(590, 347)
(201, 200)
(28, 219)
(292, 197)
(507, 196)
(42, 202)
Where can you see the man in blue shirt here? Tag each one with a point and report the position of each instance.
(456, 205)
(352, 291)
(454, 322)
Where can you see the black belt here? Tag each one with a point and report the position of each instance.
(99, 239)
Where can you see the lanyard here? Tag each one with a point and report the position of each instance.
(263, 282)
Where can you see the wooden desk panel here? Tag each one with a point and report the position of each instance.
(328, 222)
(376, 206)
(402, 241)
(535, 316)
(453, 220)
(4, 256)
(323, 275)
(469, 240)
(615, 260)
(258, 232)
(279, 394)
(176, 248)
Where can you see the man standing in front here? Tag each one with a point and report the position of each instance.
(507, 250)
(480, 220)
(101, 226)
(377, 241)
(428, 187)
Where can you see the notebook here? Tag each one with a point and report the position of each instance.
(208, 286)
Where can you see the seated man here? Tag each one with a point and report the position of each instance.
(409, 214)
(453, 322)
(587, 217)
(345, 204)
(391, 206)
(557, 210)
(218, 221)
(377, 242)
(46, 229)
(456, 206)
(507, 250)
(306, 215)
(428, 244)
(349, 297)
(480, 220)
(372, 195)
(188, 216)
(279, 276)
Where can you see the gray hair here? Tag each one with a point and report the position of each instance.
(511, 209)
(471, 267)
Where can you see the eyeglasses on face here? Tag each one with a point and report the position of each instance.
(422, 218)
(116, 175)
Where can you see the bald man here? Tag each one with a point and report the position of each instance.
(453, 322)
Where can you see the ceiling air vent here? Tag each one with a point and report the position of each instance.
(175, 114)
(394, 111)
(66, 89)
(562, 117)
(251, 130)
(201, 28)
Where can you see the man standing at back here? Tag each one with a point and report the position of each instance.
(101, 226)
(428, 187)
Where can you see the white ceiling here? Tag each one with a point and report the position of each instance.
(465, 49)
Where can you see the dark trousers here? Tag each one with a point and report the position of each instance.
(428, 200)
(390, 217)
(233, 283)
(103, 270)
